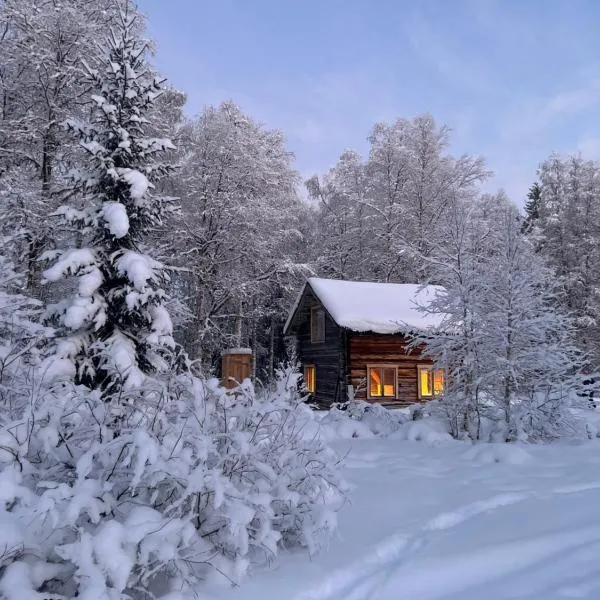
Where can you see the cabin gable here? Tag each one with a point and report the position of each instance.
(323, 353)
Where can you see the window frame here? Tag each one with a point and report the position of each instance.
(429, 368)
(314, 378)
(314, 339)
(392, 366)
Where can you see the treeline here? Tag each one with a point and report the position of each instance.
(247, 231)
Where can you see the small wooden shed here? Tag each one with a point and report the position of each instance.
(236, 365)
(351, 336)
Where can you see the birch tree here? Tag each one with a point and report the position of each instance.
(534, 363)
(566, 230)
(239, 233)
(505, 343)
(371, 210)
(343, 235)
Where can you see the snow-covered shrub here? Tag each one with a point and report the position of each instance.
(379, 420)
(338, 424)
(588, 419)
(547, 416)
(428, 430)
(197, 480)
(486, 454)
(357, 418)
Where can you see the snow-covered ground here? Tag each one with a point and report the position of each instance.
(451, 521)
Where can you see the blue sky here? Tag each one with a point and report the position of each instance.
(514, 79)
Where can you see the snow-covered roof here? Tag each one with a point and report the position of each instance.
(378, 307)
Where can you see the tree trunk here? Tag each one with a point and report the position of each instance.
(272, 350)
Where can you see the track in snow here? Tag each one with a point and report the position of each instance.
(362, 579)
(390, 571)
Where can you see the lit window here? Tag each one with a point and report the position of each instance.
(425, 388)
(382, 382)
(310, 378)
(317, 325)
(431, 382)
(438, 382)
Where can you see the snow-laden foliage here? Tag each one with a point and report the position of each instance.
(198, 482)
(20, 338)
(115, 328)
(486, 454)
(370, 208)
(357, 418)
(42, 45)
(505, 344)
(429, 431)
(237, 234)
(563, 217)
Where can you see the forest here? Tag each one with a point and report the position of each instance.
(137, 242)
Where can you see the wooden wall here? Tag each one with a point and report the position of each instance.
(371, 348)
(328, 356)
(235, 367)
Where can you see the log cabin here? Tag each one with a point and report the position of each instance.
(352, 340)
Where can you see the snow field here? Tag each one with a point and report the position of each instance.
(434, 520)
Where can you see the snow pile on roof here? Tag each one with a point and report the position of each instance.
(377, 307)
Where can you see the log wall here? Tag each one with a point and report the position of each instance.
(370, 349)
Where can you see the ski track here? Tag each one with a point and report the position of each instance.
(452, 518)
(574, 489)
(348, 579)
(361, 579)
(439, 578)
(386, 572)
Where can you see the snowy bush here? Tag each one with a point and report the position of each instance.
(379, 420)
(21, 339)
(199, 480)
(588, 418)
(430, 431)
(486, 454)
(338, 424)
(360, 419)
(19, 333)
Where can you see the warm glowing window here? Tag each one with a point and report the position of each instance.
(382, 381)
(317, 325)
(310, 378)
(438, 382)
(431, 382)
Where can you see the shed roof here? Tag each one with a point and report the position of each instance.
(378, 307)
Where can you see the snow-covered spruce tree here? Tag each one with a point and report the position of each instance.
(116, 329)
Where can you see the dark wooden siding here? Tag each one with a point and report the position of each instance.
(370, 348)
(327, 357)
